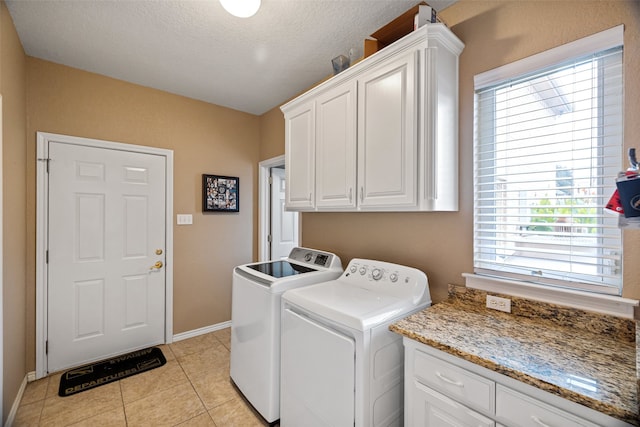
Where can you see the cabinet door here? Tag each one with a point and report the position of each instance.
(387, 135)
(336, 147)
(300, 157)
(432, 409)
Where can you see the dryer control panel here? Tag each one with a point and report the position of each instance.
(391, 279)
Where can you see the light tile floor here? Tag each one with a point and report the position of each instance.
(192, 389)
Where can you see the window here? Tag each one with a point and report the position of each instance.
(547, 150)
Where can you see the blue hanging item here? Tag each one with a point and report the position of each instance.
(628, 187)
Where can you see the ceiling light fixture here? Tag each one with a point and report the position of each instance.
(241, 8)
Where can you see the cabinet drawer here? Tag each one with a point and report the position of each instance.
(432, 409)
(516, 409)
(466, 387)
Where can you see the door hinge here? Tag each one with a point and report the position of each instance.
(269, 238)
(47, 161)
(46, 347)
(46, 257)
(270, 180)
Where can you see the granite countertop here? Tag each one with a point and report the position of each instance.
(587, 358)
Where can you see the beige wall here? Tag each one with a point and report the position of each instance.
(12, 89)
(205, 139)
(271, 134)
(211, 139)
(495, 33)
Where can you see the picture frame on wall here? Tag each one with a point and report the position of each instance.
(220, 193)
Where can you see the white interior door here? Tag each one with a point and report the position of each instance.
(106, 249)
(284, 224)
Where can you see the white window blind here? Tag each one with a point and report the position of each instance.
(548, 147)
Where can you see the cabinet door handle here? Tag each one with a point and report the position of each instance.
(350, 194)
(361, 194)
(538, 421)
(448, 380)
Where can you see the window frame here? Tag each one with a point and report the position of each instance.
(602, 41)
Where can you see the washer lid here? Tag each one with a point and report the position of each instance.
(279, 269)
(352, 306)
(303, 266)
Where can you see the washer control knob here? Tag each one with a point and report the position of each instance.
(376, 273)
(363, 271)
(353, 269)
(308, 256)
(393, 277)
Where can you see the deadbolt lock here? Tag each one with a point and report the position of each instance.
(158, 251)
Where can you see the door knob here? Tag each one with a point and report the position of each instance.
(158, 265)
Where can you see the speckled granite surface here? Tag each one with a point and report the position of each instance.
(587, 358)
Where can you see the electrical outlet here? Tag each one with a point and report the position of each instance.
(497, 303)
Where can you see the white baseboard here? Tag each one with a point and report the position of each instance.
(16, 402)
(201, 331)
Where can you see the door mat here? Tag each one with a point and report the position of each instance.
(106, 371)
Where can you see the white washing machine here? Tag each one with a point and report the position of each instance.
(255, 320)
(340, 364)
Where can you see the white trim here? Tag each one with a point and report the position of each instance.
(263, 204)
(599, 303)
(603, 40)
(42, 243)
(201, 331)
(1, 271)
(43, 138)
(16, 402)
(264, 211)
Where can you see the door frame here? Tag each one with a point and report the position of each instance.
(42, 185)
(264, 202)
(1, 268)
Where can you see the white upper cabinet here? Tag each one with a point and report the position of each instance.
(387, 135)
(336, 147)
(300, 157)
(383, 134)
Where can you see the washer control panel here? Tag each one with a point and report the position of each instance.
(314, 257)
(392, 279)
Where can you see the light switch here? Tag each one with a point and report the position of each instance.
(185, 219)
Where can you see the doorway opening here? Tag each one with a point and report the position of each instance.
(277, 228)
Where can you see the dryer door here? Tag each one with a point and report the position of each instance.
(317, 374)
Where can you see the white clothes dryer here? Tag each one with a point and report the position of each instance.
(340, 364)
(255, 320)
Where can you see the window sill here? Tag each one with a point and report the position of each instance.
(604, 304)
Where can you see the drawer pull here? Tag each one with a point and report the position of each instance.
(449, 381)
(538, 421)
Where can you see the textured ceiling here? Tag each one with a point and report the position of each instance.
(195, 49)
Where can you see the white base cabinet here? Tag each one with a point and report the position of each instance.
(444, 390)
(383, 134)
